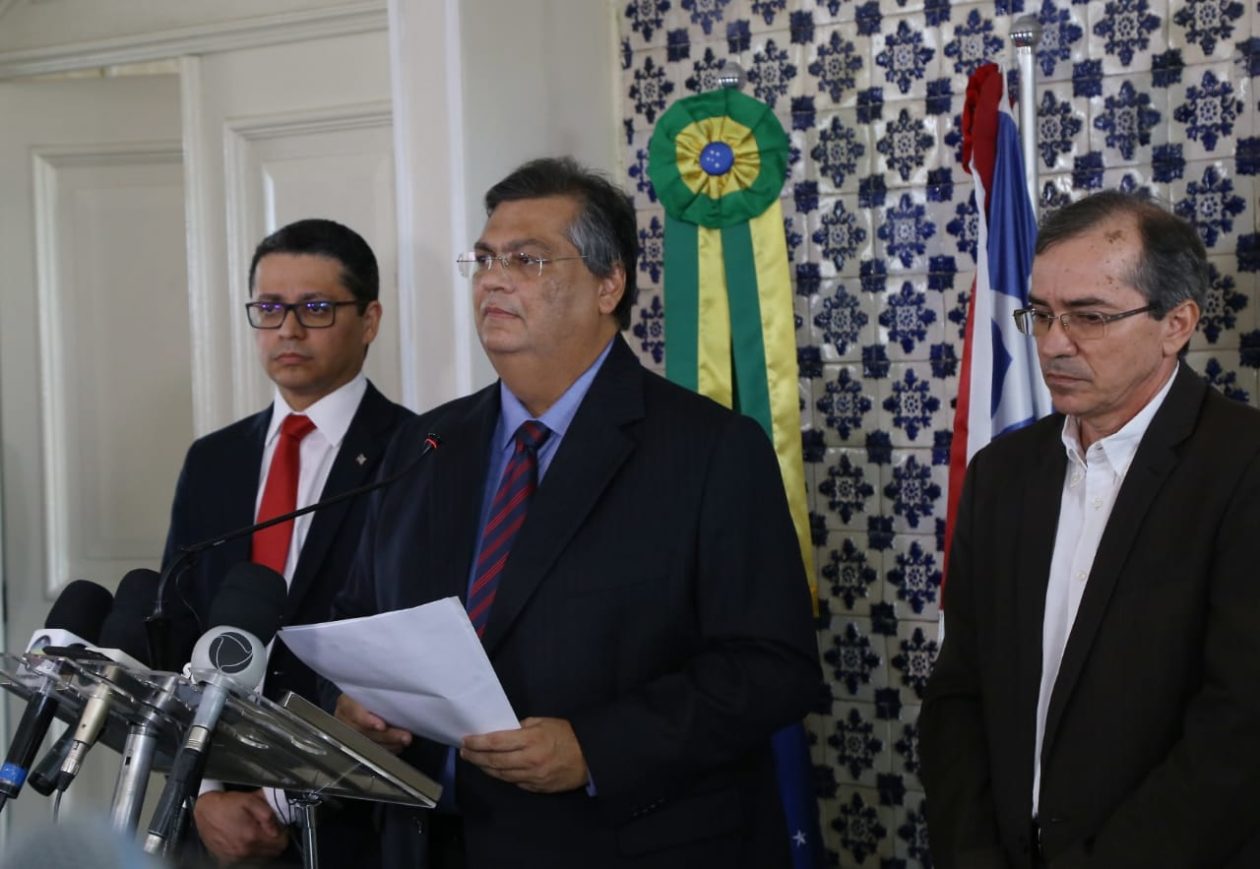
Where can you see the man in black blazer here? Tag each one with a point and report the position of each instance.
(651, 625)
(314, 308)
(1096, 701)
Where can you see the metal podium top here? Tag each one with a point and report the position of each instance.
(295, 745)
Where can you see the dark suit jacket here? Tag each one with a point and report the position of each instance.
(1151, 755)
(654, 597)
(217, 492)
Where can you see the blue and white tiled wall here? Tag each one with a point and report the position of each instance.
(1150, 94)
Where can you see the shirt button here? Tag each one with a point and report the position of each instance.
(1081, 575)
(1097, 502)
(1076, 478)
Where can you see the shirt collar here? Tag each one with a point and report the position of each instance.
(332, 414)
(1118, 447)
(558, 417)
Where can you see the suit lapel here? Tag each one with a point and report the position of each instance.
(1154, 460)
(593, 449)
(1038, 526)
(242, 472)
(452, 511)
(357, 458)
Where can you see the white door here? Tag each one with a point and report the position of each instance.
(95, 374)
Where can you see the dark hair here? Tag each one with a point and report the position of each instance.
(1172, 266)
(327, 238)
(604, 230)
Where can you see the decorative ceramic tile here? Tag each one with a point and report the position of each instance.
(859, 743)
(911, 319)
(1062, 42)
(853, 659)
(841, 151)
(1206, 30)
(1062, 128)
(849, 574)
(863, 828)
(839, 66)
(912, 571)
(1209, 109)
(1122, 33)
(1128, 120)
(913, 487)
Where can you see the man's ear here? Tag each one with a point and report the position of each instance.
(371, 321)
(1179, 324)
(611, 288)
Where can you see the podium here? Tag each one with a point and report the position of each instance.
(293, 745)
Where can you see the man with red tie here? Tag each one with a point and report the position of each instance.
(314, 311)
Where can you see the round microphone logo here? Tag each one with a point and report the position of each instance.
(231, 653)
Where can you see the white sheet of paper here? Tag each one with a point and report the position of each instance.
(423, 669)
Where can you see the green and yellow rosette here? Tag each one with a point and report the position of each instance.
(718, 162)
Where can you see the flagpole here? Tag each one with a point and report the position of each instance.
(1025, 35)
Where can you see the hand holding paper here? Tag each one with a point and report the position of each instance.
(423, 669)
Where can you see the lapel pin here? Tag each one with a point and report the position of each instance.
(360, 458)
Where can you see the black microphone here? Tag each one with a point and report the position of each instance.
(75, 618)
(246, 613)
(79, 611)
(158, 624)
(123, 630)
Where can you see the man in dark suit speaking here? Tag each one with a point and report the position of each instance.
(625, 551)
(314, 310)
(1096, 701)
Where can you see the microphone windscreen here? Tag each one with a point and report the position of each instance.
(231, 652)
(124, 627)
(252, 598)
(81, 609)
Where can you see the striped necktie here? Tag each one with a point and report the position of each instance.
(505, 517)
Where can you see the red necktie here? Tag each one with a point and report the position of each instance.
(271, 545)
(507, 514)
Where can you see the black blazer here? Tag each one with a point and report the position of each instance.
(1151, 755)
(654, 597)
(217, 492)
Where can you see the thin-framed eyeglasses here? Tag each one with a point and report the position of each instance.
(312, 314)
(474, 264)
(1085, 325)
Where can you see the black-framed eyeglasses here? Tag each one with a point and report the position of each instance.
(474, 264)
(312, 314)
(1085, 325)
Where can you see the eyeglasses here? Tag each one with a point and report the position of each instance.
(313, 314)
(1083, 325)
(474, 265)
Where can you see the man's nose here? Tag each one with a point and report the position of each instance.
(1056, 340)
(497, 277)
(291, 326)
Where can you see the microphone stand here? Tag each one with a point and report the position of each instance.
(158, 625)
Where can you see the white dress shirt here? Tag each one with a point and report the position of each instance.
(1089, 492)
(332, 416)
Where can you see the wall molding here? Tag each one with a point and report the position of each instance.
(242, 208)
(358, 17)
(47, 161)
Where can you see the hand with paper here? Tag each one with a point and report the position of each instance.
(421, 669)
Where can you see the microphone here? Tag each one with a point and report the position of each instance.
(75, 618)
(78, 612)
(246, 613)
(158, 624)
(121, 631)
